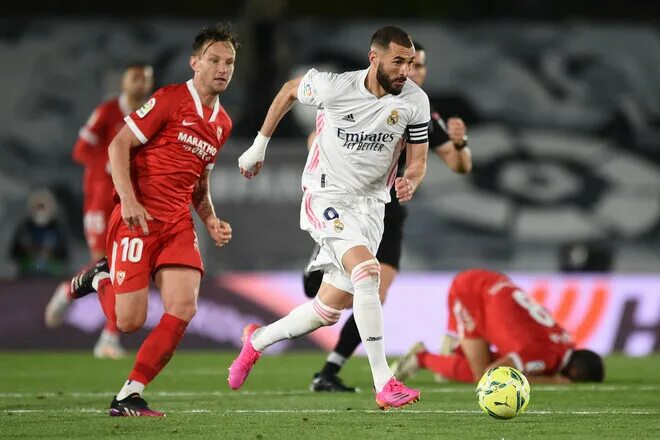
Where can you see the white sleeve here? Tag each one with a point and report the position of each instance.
(417, 131)
(314, 87)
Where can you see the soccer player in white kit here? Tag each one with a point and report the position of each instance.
(365, 119)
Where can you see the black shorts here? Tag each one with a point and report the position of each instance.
(389, 251)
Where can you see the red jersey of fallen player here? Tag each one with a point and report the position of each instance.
(91, 151)
(180, 139)
(486, 304)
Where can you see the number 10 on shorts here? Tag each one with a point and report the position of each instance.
(131, 249)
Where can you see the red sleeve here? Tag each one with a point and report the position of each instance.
(152, 116)
(89, 137)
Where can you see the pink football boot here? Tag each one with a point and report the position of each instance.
(240, 368)
(395, 395)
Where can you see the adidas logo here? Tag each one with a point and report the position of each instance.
(374, 338)
(348, 117)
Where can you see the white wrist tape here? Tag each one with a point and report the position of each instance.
(256, 153)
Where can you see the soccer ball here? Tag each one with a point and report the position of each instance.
(503, 393)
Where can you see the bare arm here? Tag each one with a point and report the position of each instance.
(406, 186)
(455, 152)
(282, 103)
(459, 161)
(219, 230)
(132, 211)
(477, 352)
(119, 154)
(201, 196)
(251, 161)
(506, 361)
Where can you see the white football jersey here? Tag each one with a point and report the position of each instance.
(359, 137)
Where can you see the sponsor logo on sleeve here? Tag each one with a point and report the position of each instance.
(146, 108)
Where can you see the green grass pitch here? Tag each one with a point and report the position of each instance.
(65, 395)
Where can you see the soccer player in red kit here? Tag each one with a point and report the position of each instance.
(161, 162)
(487, 309)
(91, 151)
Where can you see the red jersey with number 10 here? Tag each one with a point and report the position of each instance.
(486, 304)
(180, 139)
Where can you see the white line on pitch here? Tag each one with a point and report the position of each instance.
(433, 390)
(336, 411)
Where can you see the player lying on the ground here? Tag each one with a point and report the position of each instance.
(487, 310)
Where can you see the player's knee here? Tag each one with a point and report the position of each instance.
(184, 310)
(367, 272)
(130, 324)
(326, 314)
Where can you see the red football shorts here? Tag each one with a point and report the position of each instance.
(135, 257)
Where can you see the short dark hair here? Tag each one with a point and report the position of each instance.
(391, 34)
(418, 45)
(584, 366)
(214, 32)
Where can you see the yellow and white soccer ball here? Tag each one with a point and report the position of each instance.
(503, 393)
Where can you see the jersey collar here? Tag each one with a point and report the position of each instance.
(123, 104)
(198, 102)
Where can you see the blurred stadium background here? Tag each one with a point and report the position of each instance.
(562, 102)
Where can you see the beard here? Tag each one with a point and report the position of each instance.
(386, 83)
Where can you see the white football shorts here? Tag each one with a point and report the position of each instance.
(337, 224)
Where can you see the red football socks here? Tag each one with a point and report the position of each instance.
(158, 348)
(453, 367)
(106, 296)
(111, 327)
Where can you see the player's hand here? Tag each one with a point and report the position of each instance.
(252, 160)
(253, 171)
(457, 130)
(219, 230)
(134, 215)
(404, 189)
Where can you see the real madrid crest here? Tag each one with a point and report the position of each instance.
(339, 226)
(393, 118)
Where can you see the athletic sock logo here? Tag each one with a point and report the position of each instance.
(374, 338)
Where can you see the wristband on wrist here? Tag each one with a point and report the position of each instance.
(462, 145)
(261, 141)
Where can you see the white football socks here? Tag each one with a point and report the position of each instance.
(368, 314)
(302, 320)
(336, 358)
(130, 387)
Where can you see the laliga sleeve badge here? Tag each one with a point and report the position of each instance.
(146, 108)
(393, 118)
(218, 133)
(307, 90)
(339, 226)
